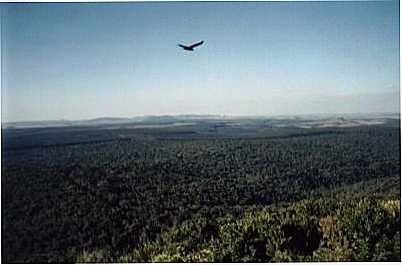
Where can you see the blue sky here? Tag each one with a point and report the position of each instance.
(88, 60)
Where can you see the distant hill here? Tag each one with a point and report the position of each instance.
(301, 121)
(109, 121)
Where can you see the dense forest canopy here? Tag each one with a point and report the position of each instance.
(201, 193)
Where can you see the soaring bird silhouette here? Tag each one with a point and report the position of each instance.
(191, 47)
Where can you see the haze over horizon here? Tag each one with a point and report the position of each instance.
(77, 61)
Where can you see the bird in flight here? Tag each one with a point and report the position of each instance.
(191, 47)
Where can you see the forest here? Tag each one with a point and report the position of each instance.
(213, 194)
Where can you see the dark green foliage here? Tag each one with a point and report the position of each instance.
(359, 230)
(105, 200)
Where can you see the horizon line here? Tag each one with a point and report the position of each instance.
(208, 114)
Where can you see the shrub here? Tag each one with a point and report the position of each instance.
(357, 230)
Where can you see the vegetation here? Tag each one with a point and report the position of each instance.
(311, 230)
(169, 195)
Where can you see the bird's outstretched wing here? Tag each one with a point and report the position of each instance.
(183, 46)
(196, 44)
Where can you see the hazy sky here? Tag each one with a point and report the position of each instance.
(87, 60)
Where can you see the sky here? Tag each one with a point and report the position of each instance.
(88, 60)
